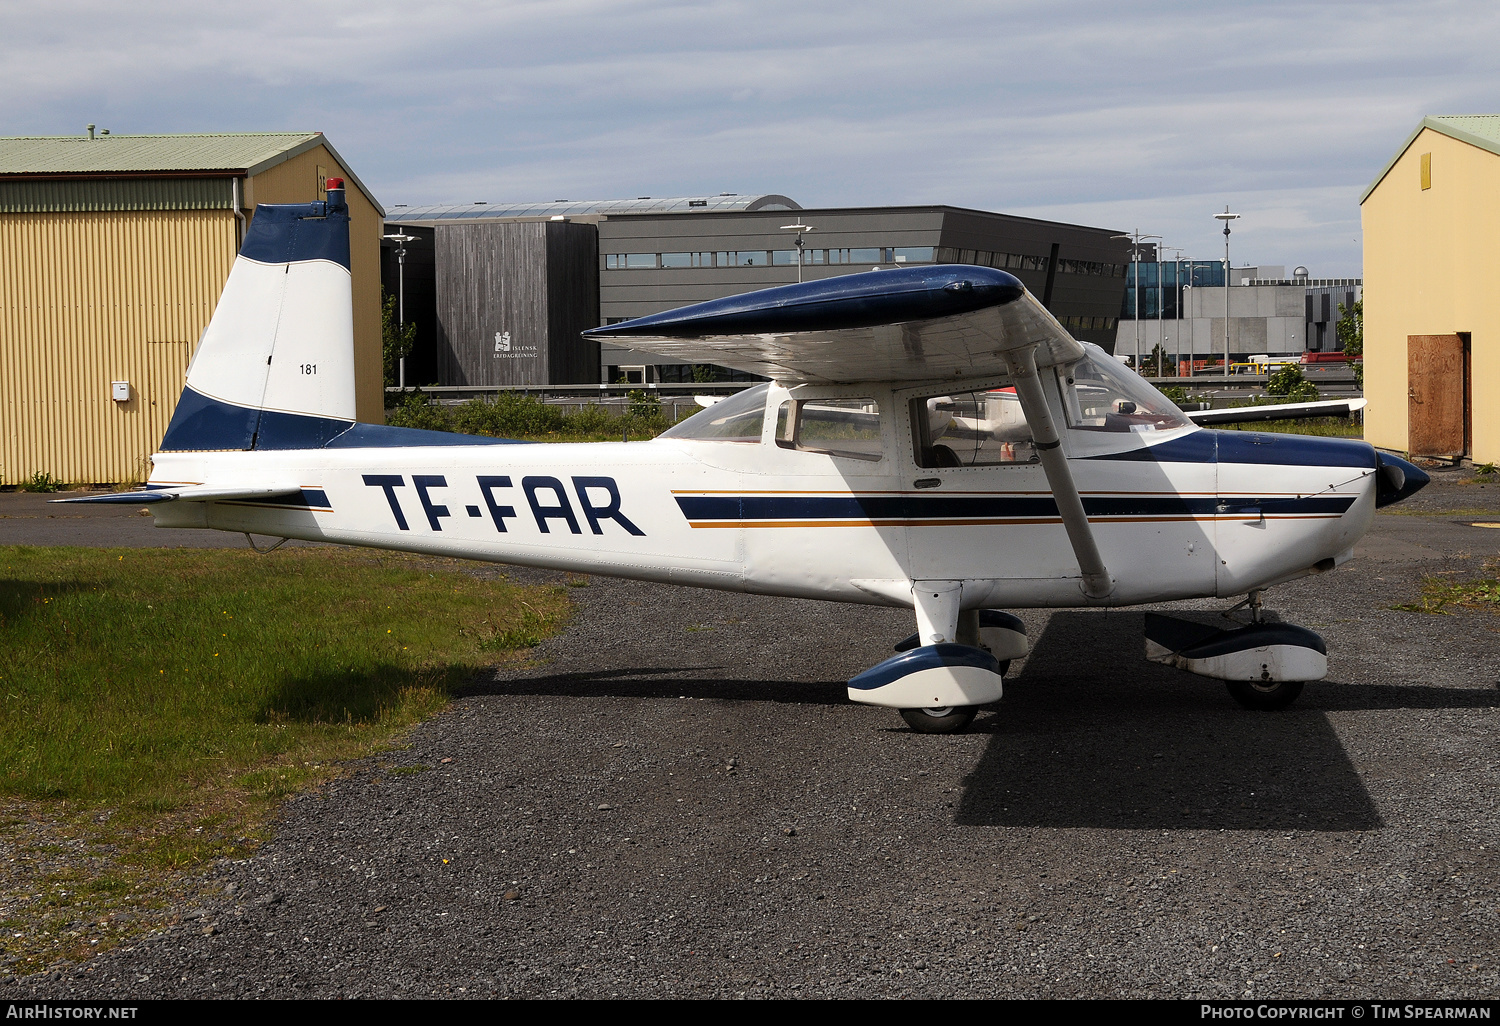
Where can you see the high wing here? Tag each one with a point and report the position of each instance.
(908, 324)
(1280, 411)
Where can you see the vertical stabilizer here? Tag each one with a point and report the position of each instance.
(275, 369)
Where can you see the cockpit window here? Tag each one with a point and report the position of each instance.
(972, 429)
(838, 427)
(1101, 394)
(739, 418)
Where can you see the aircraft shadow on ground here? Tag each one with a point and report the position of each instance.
(20, 599)
(664, 682)
(1092, 735)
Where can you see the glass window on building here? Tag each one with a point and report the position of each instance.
(864, 256)
(634, 261)
(677, 260)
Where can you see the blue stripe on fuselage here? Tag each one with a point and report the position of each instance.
(899, 508)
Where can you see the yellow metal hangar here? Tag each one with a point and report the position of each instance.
(1431, 309)
(113, 251)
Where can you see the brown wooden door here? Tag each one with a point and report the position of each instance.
(1435, 395)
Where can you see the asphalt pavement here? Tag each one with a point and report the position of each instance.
(677, 800)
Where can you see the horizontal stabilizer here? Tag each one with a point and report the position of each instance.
(1280, 411)
(188, 494)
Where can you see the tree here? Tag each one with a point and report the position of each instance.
(1289, 385)
(1350, 331)
(395, 340)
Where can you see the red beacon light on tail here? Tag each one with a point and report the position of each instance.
(334, 190)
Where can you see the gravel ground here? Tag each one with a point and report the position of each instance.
(677, 800)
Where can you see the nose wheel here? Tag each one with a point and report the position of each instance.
(1264, 695)
(948, 719)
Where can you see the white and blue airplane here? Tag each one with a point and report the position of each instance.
(930, 438)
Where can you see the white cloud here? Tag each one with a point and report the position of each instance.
(1151, 114)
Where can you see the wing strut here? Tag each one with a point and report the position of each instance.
(1096, 580)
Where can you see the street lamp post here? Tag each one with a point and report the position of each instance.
(1136, 238)
(1226, 217)
(1161, 302)
(801, 230)
(401, 240)
(1182, 303)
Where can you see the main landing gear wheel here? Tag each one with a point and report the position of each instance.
(948, 719)
(1264, 695)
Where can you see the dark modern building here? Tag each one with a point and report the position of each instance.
(653, 255)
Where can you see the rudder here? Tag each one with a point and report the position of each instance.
(275, 369)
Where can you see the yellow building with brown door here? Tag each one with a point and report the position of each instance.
(113, 252)
(1431, 298)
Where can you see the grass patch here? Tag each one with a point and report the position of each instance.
(1327, 427)
(516, 415)
(1484, 474)
(41, 481)
(1439, 594)
(406, 771)
(157, 705)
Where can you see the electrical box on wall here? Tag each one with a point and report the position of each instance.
(119, 391)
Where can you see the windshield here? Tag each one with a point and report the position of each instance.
(1102, 394)
(738, 418)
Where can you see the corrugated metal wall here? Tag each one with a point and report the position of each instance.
(75, 195)
(87, 299)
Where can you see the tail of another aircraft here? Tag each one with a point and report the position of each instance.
(275, 369)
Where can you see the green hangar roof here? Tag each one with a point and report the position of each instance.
(142, 172)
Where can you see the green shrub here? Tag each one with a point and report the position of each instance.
(643, 405)
(417, 411)
(591, 419)
(1289, 384)
(41, 481)
(508, 415)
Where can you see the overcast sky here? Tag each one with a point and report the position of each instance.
(1146, 115)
